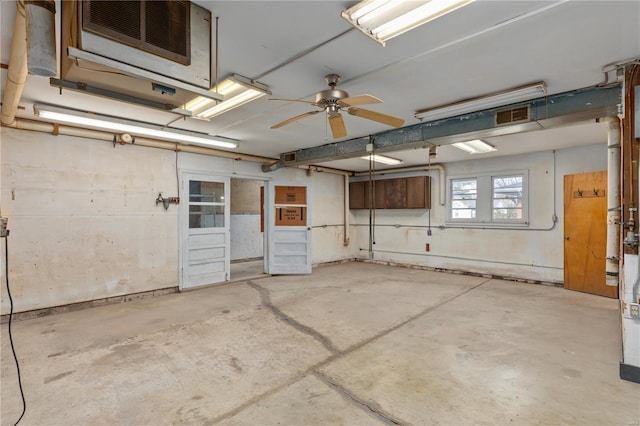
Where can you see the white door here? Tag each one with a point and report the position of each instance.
(204, 229)
(288, 224)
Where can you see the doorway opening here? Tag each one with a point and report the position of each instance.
(247, 236)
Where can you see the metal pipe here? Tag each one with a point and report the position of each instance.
(439, 167)
(346, 210)
(40, 126)
(41, 37)
(613, 201)
(17, 71)
(467, 258)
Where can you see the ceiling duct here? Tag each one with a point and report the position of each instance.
(154, 53)
(519, 114)
(549, 111)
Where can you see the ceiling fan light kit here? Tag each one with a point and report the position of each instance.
(333, 101)
(383, 20)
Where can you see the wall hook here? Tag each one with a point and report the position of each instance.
(166, 201)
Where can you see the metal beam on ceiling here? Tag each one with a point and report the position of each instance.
(545, 112)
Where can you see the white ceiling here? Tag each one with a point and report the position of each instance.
(482, 48)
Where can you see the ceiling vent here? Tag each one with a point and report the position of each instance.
(156, 53)
(518, 114)
(158, 27)
(289, 157)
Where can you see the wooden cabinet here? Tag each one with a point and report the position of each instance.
(398, 193)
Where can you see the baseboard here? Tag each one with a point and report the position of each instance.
(460, 272)
(37, 313)
(630, 373)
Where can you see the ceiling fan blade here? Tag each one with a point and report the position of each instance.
(361, 100)
(292, 100)
(376, 116)
(292, 119)
(338, 130)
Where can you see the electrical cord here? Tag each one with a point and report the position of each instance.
(13, 349)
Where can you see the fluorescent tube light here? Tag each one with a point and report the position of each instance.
(383, 20)
(475, 146)
(237, 91)
(383, 159)
(119, 125)
(498, 99)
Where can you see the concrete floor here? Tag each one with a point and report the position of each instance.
(247, 270)
(351, 344)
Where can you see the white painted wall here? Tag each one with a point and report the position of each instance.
(83, 219)
(530, 254)
(246, 238)
(84, 224)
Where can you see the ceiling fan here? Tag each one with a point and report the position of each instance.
(333, 101)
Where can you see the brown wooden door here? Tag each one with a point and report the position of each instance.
(585, 229)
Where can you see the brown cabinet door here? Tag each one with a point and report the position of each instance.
(395, 193)
(357, 194)
(399, 193)
(419, 192)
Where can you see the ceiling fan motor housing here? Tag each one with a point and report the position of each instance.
(329, 96)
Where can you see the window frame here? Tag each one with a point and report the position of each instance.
(474, 209)
(485, 197)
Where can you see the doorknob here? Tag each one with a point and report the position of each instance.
(566, 237)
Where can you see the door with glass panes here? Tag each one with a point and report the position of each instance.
(204, 221)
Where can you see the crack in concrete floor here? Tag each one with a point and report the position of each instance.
(265, 299)
(371, 407)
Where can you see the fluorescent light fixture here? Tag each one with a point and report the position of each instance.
(237, 91)
(475, 146)
(385, 19)
(383, 159)
(119, 125)
(498, 99)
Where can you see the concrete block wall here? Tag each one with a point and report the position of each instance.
(85, 226)
(83, 220)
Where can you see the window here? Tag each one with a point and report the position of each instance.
(206, 204)
(464, 194)
(492, 198)
(507, 197)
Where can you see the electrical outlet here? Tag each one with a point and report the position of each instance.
(632, 310)
(3, 227)
(427, 248)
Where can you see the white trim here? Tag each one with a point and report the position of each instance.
(270, 229)
(484, 199)
(183, 217)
